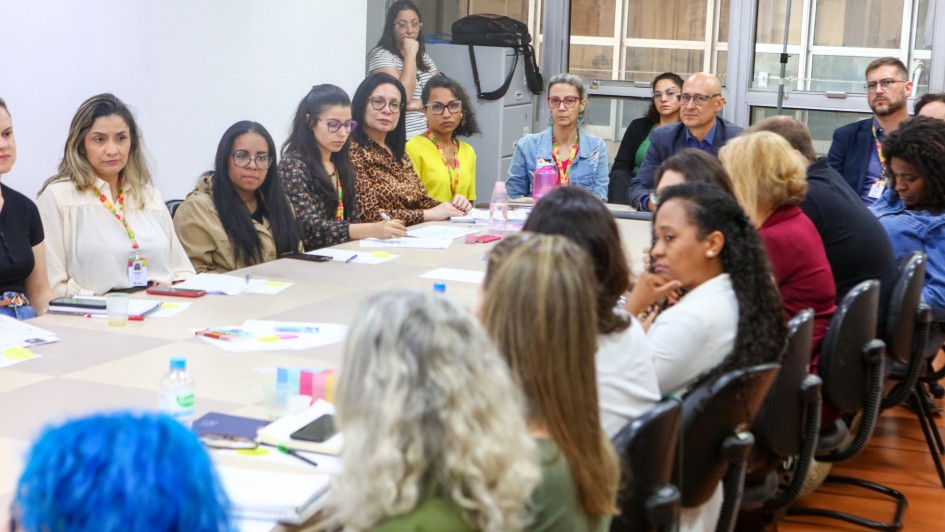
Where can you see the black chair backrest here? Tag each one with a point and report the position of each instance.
(647, 448)
(852, 329)
(712, 412)
(903, 304)
(172, 205)
(776, 429)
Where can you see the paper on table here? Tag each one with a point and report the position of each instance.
(344, 255)
(440, 231)
(270, 455)
(419, 243)
(481, 216)
(215, 283)
(263, 335)
(168, 309)
(455, 274)
(262, 286)
(16, 333)
(14, 355)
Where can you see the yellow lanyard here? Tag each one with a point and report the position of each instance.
(563, 165)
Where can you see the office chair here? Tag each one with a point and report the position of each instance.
(172, 205)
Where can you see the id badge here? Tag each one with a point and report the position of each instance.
(877, 189)
(138, 271)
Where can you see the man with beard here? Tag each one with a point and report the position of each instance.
(856, 151)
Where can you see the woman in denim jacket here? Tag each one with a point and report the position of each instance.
(580, 159)
(913, 208)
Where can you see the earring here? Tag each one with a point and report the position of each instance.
(709, 254)
(581, 118)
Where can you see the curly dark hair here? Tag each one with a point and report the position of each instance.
(389, 42)
(583, 218)
(920, 141)
(468, 125)
(651, 113)
(761, 328)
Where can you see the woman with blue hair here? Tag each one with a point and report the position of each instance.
(120, 472)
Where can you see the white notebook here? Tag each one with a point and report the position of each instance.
(137, 306)
(274, 495)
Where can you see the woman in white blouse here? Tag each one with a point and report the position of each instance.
(106, 225)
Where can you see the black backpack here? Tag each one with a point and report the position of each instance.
(499, 30)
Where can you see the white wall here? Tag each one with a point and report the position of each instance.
(187, 68)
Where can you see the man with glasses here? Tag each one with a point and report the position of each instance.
(700, 101)
(856, 150)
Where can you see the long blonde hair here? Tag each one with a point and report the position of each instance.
(766, 173)
(426, 405)
(74, 166)
(541, 310)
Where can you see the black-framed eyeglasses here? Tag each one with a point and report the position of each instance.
(334, 125)
(413, 24)
(437, 108)
(242, 158)
(886, 84)
(378, 103)
(669, 93)
(568, 101)
(698, 99)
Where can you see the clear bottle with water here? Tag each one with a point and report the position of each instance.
(177, 393)
(499, 208)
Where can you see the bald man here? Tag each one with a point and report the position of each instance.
(701, 128)
(856, 244)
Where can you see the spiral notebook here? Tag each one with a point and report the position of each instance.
(274, 495)
(137, 306)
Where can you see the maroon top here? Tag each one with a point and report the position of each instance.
(801, 269)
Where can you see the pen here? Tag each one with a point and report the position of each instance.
(216, 335)
(351, 258)
(130, 318)
(285, 450)
(386, 217)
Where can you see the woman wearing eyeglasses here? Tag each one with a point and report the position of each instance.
(445, 164)
(318, 175)
(238, 214)
(664, 110)
(388, 185)
(400, 53)
(580, 159)
(106, 226)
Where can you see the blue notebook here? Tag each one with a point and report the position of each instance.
(212, 425)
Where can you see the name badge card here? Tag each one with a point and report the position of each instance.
(138, 271)
(877, 189)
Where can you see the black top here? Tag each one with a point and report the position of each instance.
(622, 171)
(20, 230)
(857, 245)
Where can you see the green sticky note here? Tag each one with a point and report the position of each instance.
(269, 339)
(275, 283)
(258, 451)
(17, 353)
(169, 305)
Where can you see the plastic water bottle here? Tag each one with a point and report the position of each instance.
(545, 179)
(439, 288)
(499, 208)
(177, 393)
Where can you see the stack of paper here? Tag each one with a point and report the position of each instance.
(231, 285)
(16, 337)
(263, 335)
(274, 495)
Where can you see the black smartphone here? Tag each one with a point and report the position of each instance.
(317, 431)
(79, 302)
(306, 256)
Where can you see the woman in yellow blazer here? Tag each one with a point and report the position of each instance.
(238, 215)
(445, 164)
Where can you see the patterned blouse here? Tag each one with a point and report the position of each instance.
(314, 211)
(388, 185)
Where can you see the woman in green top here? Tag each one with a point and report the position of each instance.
(434, 427)
(543, 318)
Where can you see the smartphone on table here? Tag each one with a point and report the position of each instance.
(174, 291)
(305, 256)
(317, 431)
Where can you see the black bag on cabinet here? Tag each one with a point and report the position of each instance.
(501, 31)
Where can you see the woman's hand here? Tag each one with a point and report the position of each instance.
(392, 229)
(461, 203)
(409, 48)
(649, 289)
(441, 212)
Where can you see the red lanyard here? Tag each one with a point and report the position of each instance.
(563, 165)
(118, 215)
(453, 169)
(879, 151)
(340, 213)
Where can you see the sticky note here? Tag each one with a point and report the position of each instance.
(17, 353)
(269, 338)
(276, 283)
(258, 451)
(169, 305)
(380, 254)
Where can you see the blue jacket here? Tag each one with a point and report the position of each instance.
(664, 143)
(910, 230)
(850, 152)
(589, 171)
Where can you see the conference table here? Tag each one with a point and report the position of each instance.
(94, 367)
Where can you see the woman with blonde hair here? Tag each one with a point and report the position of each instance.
(540, 308)
(107, 227)
(434, 427)
(770, 180)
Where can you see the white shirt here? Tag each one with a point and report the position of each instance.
(694, 335)
(87, 248)
(626, 380)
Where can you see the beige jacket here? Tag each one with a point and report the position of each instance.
(200, 231)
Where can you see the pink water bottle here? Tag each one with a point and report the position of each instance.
(546, 178)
